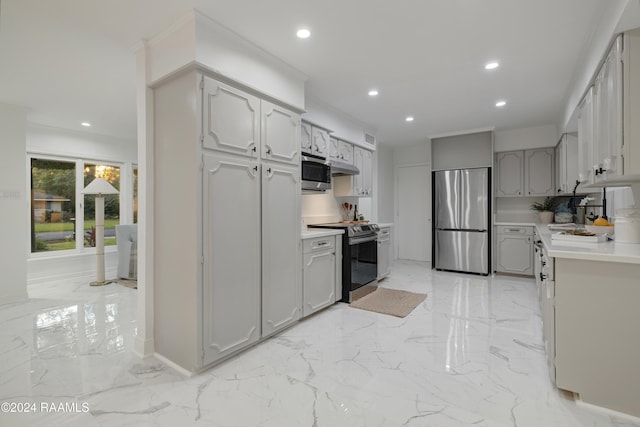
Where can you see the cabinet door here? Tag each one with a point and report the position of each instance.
(280, 134)
(509, 174)
(281, 281)
(560, 159)
(305, 138)
(319, 141)
(319, 281)
(231, 249)
(367, 179)
(608, 113)
(334, 151)
(539, 166)
(571, 161)
(231, 121)
(384, 253)
(346, 151)
(358, 161)
(515, 254)
(585, 139)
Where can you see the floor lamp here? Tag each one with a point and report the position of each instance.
(99, 187)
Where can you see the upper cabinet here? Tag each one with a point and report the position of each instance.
(319, 141)
(525, 173)
(239, 123)
(566, 164)
(360, 185)
(280, 130)
(334, 152)
(345, 151)
(509, 174)
(305, 137)
(231, 121)
(314, 140)
(608, 132)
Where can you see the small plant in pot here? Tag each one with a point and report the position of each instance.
(545, 209)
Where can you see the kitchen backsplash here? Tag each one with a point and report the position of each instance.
(325, 207)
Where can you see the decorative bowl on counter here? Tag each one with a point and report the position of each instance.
(601, 229)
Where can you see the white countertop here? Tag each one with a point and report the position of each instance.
(310, 233)
(610, 251)
(385, 224)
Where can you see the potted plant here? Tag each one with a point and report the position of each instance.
(545, 209)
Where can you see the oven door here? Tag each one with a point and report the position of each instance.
(364, 261)
(316, 174)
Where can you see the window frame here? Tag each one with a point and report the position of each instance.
(79, 205)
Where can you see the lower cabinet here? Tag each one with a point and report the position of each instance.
(384, 252)
(515, 250)
(321, 273)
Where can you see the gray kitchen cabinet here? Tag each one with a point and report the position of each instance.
(345, 151)
(509, 174)
(384, 252)
(229, 281)
(232, 256)
(525, 173)
(320, 265)
(281, 291)
(360, 185)
(319, 141)
(231, 121)
(334, 152)
(539, 167)
(305, 137)
(566, 160)
(280, 134)
(515, 250)
(585, 138)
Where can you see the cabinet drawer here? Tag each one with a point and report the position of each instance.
(517, 229)
(318, 244)
(384, 234)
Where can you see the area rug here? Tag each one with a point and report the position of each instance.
(389, 301)
(128, 283)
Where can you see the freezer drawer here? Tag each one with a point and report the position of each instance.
(465, 251)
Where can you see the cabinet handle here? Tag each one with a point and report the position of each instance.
(322, 243)
(254, 149)
(542, 276)
(255, 168)
(269, 170)
(269, 150)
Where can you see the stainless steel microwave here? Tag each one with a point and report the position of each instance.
(316, 173)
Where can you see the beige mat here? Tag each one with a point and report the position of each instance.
(389, 301)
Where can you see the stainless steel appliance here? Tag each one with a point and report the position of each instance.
(461, 220)
(359, 258)
(316, 173)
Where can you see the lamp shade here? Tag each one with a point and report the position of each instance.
(99, 186)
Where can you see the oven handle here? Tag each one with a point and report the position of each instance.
(358, 240)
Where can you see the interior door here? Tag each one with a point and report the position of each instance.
(413, 215)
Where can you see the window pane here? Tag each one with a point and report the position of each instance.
(135, 194)
(111, 204)
(53, 201)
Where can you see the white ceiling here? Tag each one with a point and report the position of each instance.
(71, 60)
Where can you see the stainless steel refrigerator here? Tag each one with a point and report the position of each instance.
(461, 225)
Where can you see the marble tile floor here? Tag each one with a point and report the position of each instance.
(470, 355)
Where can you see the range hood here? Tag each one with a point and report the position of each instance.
(341, 168)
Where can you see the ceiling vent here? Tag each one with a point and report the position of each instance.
(369, 139)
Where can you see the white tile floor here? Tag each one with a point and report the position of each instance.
(471, 354)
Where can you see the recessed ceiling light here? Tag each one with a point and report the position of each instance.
(85, 124)
(491, 65)
(373, 92)
(409, 119)
(303, 33)
(501, 103)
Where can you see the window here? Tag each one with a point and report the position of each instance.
(62, 218)
(111, 204)
(53, 201)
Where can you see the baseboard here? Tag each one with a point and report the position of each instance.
(179, 369)
(606, 411)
